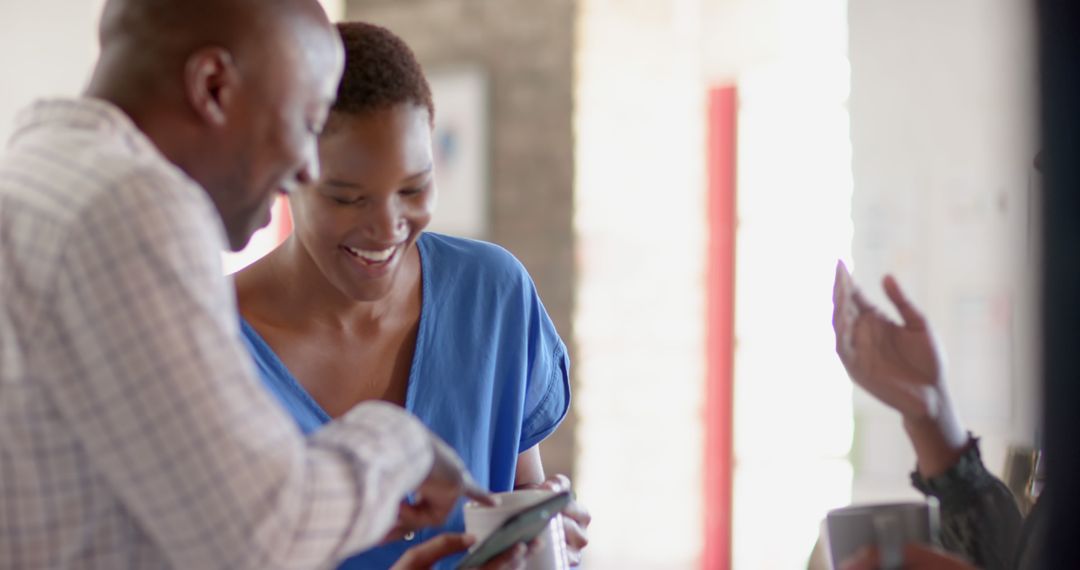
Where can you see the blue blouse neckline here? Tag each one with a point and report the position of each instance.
(421, 337)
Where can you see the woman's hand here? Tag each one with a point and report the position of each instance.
(576, 518)
(423, 556)
(916, 557)
(899, 364)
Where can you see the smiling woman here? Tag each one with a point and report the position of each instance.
(376, 195)
(360, 303)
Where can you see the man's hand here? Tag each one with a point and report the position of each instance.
(439, 493)
(899, 364)
(576, 518)
(424, 556)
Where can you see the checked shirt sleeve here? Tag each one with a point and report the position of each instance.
(163, 399)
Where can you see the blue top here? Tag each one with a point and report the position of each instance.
(489, 373)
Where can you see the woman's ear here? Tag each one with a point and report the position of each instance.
(211, 81)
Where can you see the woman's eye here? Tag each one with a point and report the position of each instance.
(411, 191)
(345, 201)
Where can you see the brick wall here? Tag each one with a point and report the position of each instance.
(526, 49)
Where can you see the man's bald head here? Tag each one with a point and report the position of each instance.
(232, 91)
(154, 38)
(178, 25)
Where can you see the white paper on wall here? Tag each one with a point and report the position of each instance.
(460, 143)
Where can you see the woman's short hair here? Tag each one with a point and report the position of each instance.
(381, 71)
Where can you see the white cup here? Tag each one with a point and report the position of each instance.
(481, 521)
(888, 526)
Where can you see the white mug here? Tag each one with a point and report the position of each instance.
(888, 526)
(481, 521)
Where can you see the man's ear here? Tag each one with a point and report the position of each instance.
(211, 81)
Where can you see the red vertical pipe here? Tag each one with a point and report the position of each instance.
(720, 327)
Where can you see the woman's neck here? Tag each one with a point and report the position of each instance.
(301, 295)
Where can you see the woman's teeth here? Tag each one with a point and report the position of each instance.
(378, 256)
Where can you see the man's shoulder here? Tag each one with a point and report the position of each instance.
(72, 180)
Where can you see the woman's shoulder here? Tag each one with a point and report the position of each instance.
(474, 258)
(259, 295)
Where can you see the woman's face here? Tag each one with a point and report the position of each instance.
(374, 198)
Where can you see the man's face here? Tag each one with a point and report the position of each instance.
(289, 85)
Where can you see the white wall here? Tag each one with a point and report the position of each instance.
(788, 60)
(47, 48)
(941, 129)
(639, 200)
(644, 68)
(940, 139)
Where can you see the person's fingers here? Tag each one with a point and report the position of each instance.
(557, 483)
(847, 289)
(476, 493)
(396, 533)
(416, 516)
(838, 296)
(460, 476)
(573, 557)
(859, 301)
(847, 314)
(920, 556)
(576, 536)
(426, 554)
(913, 318)
(843, 321)
(574, 510)
(451, 477)
(865, 559)
(916, 556)
(842, 328)
(576, 540)
(838, 280)
(914, 552)
(579, 514)
(427, 510)
(512, 559)
(843, 287)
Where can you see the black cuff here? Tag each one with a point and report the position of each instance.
(967, 474)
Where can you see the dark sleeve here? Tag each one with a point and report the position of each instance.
(979, 516)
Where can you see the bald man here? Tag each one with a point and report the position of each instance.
(133, 431)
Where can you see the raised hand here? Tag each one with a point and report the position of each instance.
(900, 365)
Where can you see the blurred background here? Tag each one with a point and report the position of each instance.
(680, 178)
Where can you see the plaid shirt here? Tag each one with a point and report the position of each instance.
(133, 430)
